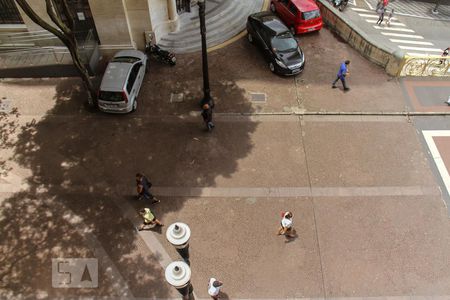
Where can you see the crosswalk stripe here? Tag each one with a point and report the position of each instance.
(359, 9)
(410, 42)
(374, 16)
(392, 23)
(417, 54)
(393, 29)
(420, 49)
(410, 36)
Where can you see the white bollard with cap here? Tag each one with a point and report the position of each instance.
(178, 234)
(178, 275)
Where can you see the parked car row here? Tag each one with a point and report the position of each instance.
(300, 16)
(277, 43)
(274, 35)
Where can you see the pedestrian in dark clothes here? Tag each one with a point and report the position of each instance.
(444, 55)
(381, 12)
(207, 116)
(343, 72)
(143, 186)
(379, 5)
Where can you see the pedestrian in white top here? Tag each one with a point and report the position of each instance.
(390, 16)
(286, 225)
(214, 288)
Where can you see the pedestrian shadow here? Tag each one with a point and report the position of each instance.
(292, 237)
(223, 295)
(155, 228)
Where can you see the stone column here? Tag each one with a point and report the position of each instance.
(113, 27)
(173, 15)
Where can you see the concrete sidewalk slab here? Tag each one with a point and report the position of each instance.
(427, 95)
(235, 240)
(375, 247)
(371, 88)
(336, 152)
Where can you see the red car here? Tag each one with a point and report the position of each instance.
(300, 16)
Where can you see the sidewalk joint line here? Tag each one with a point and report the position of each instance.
(313, 208)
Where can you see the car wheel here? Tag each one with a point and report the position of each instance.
(272, 67)
(292, 29)
(250, 38)
(134, 105)
(272, 7)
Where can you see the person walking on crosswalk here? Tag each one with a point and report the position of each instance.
(391, 14)
(444, 55)
(381, 12)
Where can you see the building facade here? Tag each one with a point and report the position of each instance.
(117, 24)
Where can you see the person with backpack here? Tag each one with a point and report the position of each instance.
(143, 186)
(207, 116)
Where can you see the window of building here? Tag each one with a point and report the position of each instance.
(9, 14)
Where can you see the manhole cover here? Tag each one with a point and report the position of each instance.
(258, 97)
(5, 105)
(176, 98)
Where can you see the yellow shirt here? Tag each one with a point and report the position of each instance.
(148, 215)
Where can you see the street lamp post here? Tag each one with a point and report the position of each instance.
(206, 90)
(178, 275)
(178, 235)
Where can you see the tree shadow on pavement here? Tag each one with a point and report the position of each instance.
(82, 164)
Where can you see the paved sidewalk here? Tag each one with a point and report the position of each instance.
(371, 220)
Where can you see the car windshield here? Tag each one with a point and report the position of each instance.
(125, 59)
(110, 96)
(311, 14)
(284, 42)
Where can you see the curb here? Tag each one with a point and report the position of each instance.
(341, 113)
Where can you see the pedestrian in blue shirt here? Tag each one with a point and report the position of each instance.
(343, 71)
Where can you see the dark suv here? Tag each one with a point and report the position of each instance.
(279, 46)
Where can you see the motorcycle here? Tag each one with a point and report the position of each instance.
(337, 3)
(343, 5)
(155, 52)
